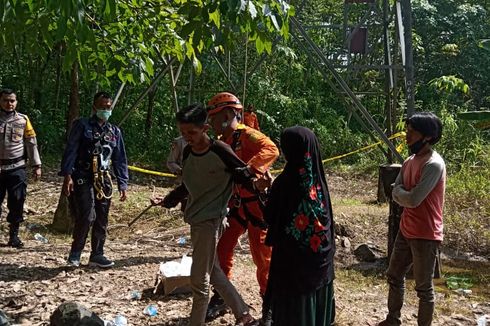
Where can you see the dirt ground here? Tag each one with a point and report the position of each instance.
(35, 280)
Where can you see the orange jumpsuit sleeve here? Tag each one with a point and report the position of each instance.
(265, 152)
(255, 123)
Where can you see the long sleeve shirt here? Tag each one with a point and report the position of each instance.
(254, 148)
(85, 134)
(207, 180)
(420, 188)
(17, 140)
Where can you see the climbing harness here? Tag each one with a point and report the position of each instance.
(101, 165)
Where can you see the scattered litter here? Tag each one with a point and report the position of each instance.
(175, 268)
(181, 241)
(174, 276)
(120, 320)
(135, 295)
(482, 320)
(40, 238)
(464, 292)
(151, 310)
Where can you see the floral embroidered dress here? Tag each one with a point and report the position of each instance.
(299, 214)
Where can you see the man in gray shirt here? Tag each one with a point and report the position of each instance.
(208, 171)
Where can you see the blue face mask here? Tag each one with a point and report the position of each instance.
(103, 114)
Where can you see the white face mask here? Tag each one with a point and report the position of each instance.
(103, 114)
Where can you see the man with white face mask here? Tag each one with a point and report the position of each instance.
(94, 146)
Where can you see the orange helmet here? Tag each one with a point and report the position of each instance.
(223, 100)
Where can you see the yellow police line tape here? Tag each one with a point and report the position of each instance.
(162, 174)
(399, 148)
(169, 175)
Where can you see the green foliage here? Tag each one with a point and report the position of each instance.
(485, 44)
(452, 39)
(475, 115)
(467, 208)
(126, 38)
(450, 84)
(459, 282)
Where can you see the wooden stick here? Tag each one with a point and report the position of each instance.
(140, 214)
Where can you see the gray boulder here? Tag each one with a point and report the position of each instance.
(368, 253)
(74, 314)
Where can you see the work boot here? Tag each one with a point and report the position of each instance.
(216, 307)
(74, 259)
(100, 261)
(14, 240)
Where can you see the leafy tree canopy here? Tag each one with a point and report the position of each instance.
(126, 37)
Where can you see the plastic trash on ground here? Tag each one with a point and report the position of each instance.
(181, 241)
(135, 295)
(120, 320)
(151, 310)
(40, 238)
(174, 276)
(482, 320)
(464, 292)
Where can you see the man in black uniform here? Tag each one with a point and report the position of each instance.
(92, 146)
(17, 142)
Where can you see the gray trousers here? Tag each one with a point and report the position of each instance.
(422, 255)
(205, 269)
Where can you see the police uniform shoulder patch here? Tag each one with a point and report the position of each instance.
(29, 131)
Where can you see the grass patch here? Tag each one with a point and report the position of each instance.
(467, 209)
(346, 202)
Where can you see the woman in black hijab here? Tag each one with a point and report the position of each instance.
(299, 214)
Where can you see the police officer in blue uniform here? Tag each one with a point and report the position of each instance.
(18, 146)
(94, 146)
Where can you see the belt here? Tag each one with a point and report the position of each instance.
(12, 166)
(11, 160)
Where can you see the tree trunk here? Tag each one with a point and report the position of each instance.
(151, 105)
(63, 216)
(57, 87)
(74, 108)
(387, 175)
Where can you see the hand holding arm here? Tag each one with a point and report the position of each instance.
(431, 174)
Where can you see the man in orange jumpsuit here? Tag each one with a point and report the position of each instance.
(250, 118)
(259, 152)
